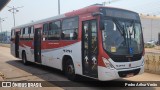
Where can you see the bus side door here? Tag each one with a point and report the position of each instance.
(89, 48)
(37, 45)
(17, 44)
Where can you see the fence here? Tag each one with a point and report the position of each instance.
(5, 37)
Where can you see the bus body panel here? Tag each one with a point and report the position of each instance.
(12, 49)
(53, 57)
(121, 65)
(29, 52)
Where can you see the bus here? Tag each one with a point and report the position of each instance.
(98, 42)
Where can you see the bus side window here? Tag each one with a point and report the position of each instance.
(54, 30)
(12, 35)
(32, 29)
(70, 29)
(45, 31)
(31, 32)
(21, 33)
(26, 33)
(75, 35)
(62, 35)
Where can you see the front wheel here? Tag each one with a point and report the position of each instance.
(70, 70)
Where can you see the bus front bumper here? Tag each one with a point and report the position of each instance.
(105, 74)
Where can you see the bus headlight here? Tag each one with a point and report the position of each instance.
(107, 63)
(143, 62)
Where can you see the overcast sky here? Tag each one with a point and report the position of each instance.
(40, 9)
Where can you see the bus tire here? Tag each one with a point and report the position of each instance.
(24, 58)
(70, 70)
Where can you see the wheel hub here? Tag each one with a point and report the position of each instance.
(70, 69)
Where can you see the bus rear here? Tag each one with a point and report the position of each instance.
(122, 47)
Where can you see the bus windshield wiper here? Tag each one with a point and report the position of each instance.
(129, 33)
(120, 29)
(133, 30)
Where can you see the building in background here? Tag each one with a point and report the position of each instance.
(5, 37)
(151, 27)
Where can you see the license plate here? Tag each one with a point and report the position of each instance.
(130, 75)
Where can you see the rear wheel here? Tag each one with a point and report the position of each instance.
(70, 70)
(24, 59)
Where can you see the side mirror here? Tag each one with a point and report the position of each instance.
(101, 21)
(102, 25)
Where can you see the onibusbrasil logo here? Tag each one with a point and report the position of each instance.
(21, 84)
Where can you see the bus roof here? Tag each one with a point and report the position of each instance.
(88, 9)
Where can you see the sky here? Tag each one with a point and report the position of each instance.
(34, 10)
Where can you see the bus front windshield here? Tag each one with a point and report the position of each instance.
(122, 36)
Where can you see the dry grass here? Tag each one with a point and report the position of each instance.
(156, 49)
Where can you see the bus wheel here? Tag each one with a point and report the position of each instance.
(70, 70)
(24, 59)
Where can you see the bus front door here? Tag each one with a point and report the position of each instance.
(89, 48)
(17, 44)
(37, 45)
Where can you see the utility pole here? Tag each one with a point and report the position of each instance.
(13, 10)
(59, 7)
(151, 28)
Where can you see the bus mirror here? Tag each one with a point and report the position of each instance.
(101, 21)
(102, 25)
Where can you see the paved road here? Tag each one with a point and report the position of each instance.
(14, 70)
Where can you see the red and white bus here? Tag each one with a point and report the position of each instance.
(99, 42)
